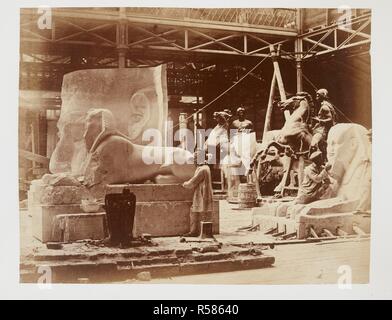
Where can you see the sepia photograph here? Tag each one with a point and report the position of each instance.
(169, 145)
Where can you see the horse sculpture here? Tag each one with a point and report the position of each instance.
(295, 132)
(293, 141)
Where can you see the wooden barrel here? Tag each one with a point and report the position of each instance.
(247, 195)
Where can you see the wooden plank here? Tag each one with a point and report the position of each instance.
(34, 157)
(268, 116)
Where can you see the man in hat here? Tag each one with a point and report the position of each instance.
(315, 182)
(242, 124)
(325, 119)
(201, 183)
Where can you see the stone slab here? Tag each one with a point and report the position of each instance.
(73, 227)
(43, 218)
(163, 210)
(162, 218)
(55, 195)
(328, 221)
(267, 222)
(120, 264)
(363, 221)
(154, 192)
(302, 223)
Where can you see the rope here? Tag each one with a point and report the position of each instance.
(227, 90)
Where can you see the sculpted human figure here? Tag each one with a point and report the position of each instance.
(325, 119)
(242, 124)
(349, 156)
(316, 180)
(112, 157)
(70, 151)
(349, 152)
(140, 113)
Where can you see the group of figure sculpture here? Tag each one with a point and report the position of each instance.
(301, 157)
(301, 150)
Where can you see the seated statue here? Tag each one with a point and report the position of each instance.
(316, 180)
(349, 156)
(112, 157)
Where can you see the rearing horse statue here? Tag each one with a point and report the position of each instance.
(294, 139)
(295, 132)
(295, 136)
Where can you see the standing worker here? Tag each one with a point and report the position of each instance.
(201, 210)
(325, 119)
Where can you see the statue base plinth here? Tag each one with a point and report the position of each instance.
(280, 214)
(66, 223)
(163, 209)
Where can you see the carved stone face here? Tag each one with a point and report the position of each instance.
(349, 153)
(342, 145)
(65, 157)
(140, 114)
(135, 96)
(346, 144)
(93, 128)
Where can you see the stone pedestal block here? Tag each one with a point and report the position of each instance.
(162, 218)
(327, 221)
(44, 217)
(303, 222)
(163, 210)
(154, 192)
(73, 227)
(55, 195)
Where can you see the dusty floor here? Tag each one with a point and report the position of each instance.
(314, 263)
(297, 264)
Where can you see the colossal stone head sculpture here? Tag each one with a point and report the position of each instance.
(70, 151)
(99, 122)
(349, 153)
(137, 98)
(140, 114)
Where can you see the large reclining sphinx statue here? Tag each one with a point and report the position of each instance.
(349, 154)
(346, 201)
(113, 159)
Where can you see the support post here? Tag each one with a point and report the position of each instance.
(300, 87)
(298, 64)
(33, 141)
(282, 92)
(299, 50)
(122, 39)
(268, 115)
